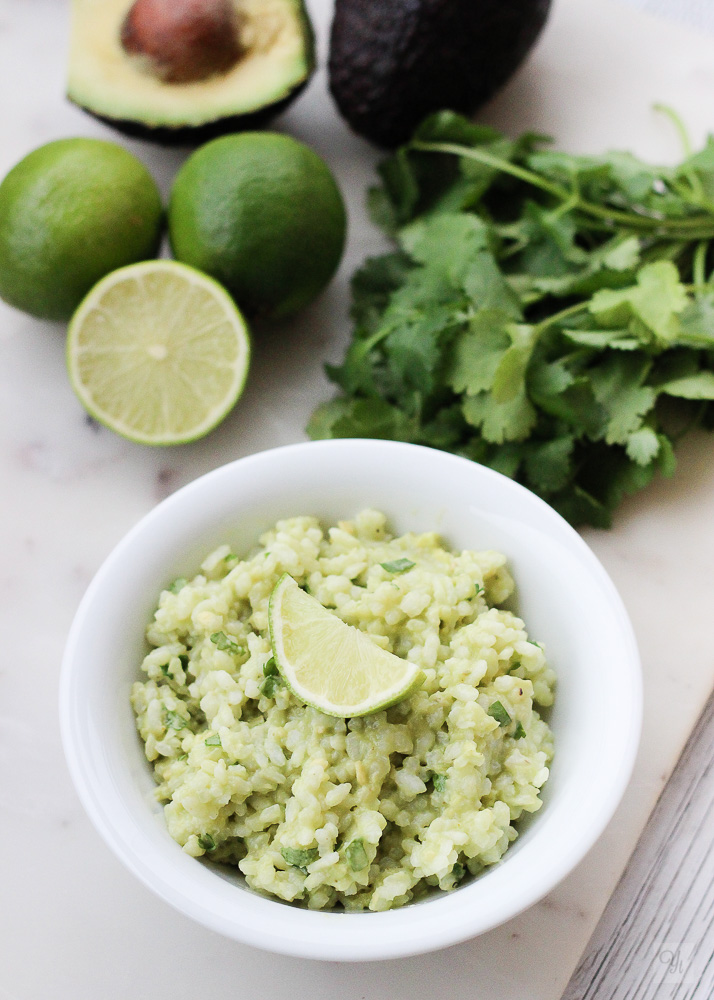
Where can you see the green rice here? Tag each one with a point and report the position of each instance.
(365, 813)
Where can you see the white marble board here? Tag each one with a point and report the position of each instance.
(73, 923)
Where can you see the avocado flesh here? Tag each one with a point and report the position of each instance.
(276, 62)
(393, 62)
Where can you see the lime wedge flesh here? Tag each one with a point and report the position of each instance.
(158, 352)
(331, 665)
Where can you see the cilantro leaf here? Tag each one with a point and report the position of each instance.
(643, 446)
(439, 782)
(618, 386)
(577, 408)
(499, 713)
(579, 506)
(300, 857)
(415, 347)
(174, 720)
(487, 288)
(222, 642)
(458, 872)
(655, 300)
(372, 286)
(601, 339)
(509, 377)
(549, 465)
(398, 565)
(356, 855)
(512, 420)
(549, 378)
(698, 386)
(270, 685)
(370, 418)
(478, 352)
(270, 668)
(505, 413)
(549, 251)
(697, 322)
(448, 241)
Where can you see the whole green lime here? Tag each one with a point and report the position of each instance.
(71, 212)
(262, 214)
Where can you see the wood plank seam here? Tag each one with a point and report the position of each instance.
(655, 940)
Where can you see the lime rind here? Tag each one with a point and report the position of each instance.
(72, 211)
(192, 276)
(328, 646)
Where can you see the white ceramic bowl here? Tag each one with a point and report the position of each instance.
(565, 596)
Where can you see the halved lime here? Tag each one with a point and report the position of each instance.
(158, 352)
(331, 665)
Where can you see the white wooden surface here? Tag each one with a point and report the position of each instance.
(655, 940)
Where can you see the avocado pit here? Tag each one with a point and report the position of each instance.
(183, 41)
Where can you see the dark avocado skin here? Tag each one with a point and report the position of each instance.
(195, 135)
(392, 62)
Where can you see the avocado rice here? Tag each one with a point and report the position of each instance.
(364, 813)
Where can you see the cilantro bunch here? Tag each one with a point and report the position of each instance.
(548, 315)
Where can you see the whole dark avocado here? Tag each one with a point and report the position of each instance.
(392, 62)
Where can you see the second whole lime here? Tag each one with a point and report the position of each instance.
(261, 213)
(71, 212)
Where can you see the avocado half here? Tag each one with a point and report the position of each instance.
(275, 56)
(393, 62)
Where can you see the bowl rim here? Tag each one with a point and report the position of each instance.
(396, 933)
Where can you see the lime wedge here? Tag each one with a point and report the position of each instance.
(328, 664)
(158, 352)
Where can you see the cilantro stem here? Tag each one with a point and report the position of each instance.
(496, 162)
(664, 109)
(699, 267)
(568, 206)
(557, 317)
(365, 346)
(695, 184)
(686, 226)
